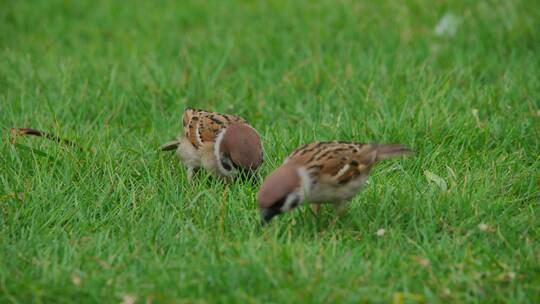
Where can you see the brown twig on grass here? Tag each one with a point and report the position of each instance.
(14, 132)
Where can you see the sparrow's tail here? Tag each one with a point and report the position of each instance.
(172, 145)
(386, 151)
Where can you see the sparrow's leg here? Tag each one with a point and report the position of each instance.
(190, 173)
(315, 208)
(188, 155)
(340, 207)
(339, 210)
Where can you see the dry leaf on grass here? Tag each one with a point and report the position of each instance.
(129, 299)
(76, 280)
(422, 261)
(437, 180)
(485, 227)
(448, 25)
(14, 132)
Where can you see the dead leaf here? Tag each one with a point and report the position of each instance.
(129, 299)
(422, 261)
(76, 280)
(102, 263)
(485, 227)
(448, 25)
(14, 132)
(434, 178)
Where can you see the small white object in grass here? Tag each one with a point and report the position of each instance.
(448, 25)
(380, 232)
(484, 227)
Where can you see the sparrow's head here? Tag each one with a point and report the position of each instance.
(242, 146)
(280, 192)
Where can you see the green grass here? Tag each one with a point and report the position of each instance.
(121, 219)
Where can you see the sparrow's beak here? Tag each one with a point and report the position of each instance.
(267, 214)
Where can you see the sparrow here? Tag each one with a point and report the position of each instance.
(223, 144)
(322, 172)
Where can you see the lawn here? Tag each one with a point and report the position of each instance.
(117, 221)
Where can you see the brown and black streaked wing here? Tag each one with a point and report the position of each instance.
(203, 126)
(337, 161)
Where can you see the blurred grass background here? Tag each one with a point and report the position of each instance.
(456, 80)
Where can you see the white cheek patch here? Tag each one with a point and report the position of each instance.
(292, 201)
(220, 159)
(217, 144)
(306, 182)
(226, 167)
(342, 170)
